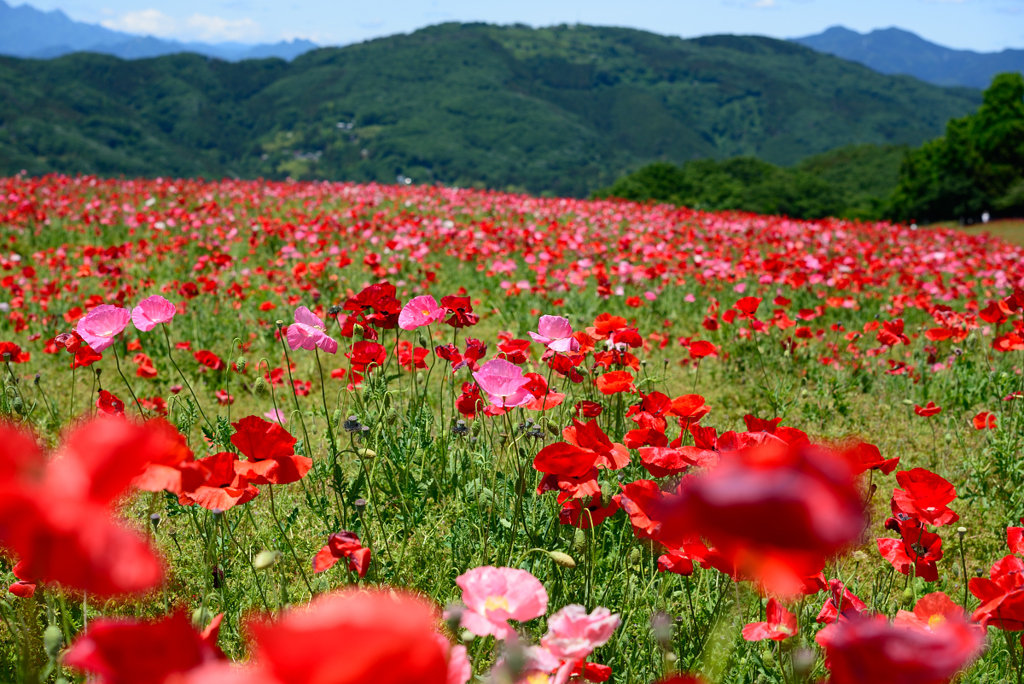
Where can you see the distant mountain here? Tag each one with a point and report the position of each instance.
(29, 32)
(895, 51)
(564, 109)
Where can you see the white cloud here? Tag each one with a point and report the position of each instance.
(202, 27)
(150, 22)
(765, 4)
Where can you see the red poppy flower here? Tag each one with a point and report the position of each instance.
(145, 368)
(615, 382)
(868, 650)
(748, 306)
(776, 512)
(515, 351)
(604, 325)
(14, 353)
(270, 450)
(892, 333)
(840, 602)
(634, 439)
(119, 651)
(470, 402)
(917, 547)
(928, 410)
(700, 349)
(984, 421)
(565, 366)
(172, 466)
(930, 611)
(689, 408)
(460, 310)
(575, 513)
(366, 354)
(642, 500)
(1002, 596)
(779, 624)
(210, 360)
(352, 637)
(544, 399)
(343, 545)
(56, 515)
(589, 435)
(588, 409)
(863, 457)
(925, 495)
(223, 487)
(109, 404)
(662, 461)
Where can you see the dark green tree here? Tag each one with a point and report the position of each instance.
(977, 166)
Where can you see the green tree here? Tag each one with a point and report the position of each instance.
(977, 166)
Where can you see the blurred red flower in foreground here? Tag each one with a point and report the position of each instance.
(870, 650)
(351, 637)
(124, 651)
(775, 512)
(343, 545)
(56, 516)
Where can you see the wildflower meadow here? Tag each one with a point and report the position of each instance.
(326, 433)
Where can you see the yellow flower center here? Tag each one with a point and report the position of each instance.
(496, 603)
(935, 620)
(537, 678)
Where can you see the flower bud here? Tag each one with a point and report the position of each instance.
(907, 597)
(36, 380)
(260, 387)
(453, 616)
(266, 559)
(579, 541)
(392, 417)
(240, 364)
(358, 329)
(562, 559)
(52, 641)
(366, 453)
(422, 341)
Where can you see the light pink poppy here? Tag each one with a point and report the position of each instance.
(420, 311)
(152, 311)
(459, 668)
(493, 596)
(276, 415)
(309, 332)
(101, 325)
(504, 383)
(573, 634)
(555, 333)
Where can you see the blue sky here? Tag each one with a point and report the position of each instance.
(971, 24)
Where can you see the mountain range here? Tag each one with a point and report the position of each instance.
(895, 51)
(562, 109)
(28, 32)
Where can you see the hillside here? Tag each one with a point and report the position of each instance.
(563, 110)
(895, 51)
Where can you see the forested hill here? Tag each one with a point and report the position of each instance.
(563, 110)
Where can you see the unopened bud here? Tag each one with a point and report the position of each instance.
(908, 596)
(266, 559)
(421, 340)
(476, 428)
(200, 617)
(563, 559)
(366, 453)
(579, 541)
(453, 616)
(37, 379)
(391, 417)
(19, 405)
(53, 639)
(259, 388)
(634, 556)
(240, 364)
(803, 661)
(358, 329)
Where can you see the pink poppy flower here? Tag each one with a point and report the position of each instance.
(309, 332)
(460, 670)
(101, 325)
(493, 596)
(555, 333)
(420, 311)
(504, 383)
(276, 415)
(151, 311)
(573, 634)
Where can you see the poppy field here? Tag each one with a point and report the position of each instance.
(321, 433)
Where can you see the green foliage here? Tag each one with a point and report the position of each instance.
(849, 182)
(563, 110)
(977, 166)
